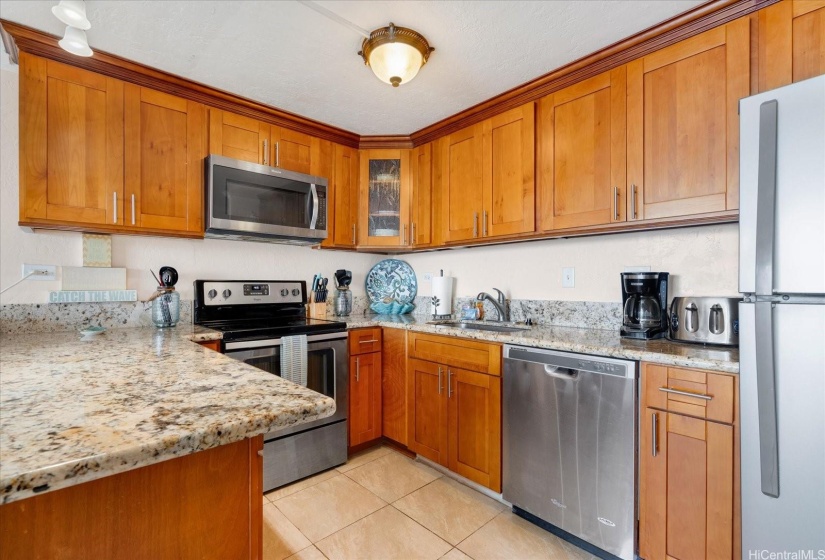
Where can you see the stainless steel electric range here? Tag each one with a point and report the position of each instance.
(259, 320)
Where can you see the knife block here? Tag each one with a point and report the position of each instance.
(317, 310)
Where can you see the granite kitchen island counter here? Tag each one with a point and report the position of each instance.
(74, 410)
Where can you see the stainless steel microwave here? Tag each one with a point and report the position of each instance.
(259, 203)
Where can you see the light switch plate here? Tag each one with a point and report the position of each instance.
(40, 271)
(568, 277)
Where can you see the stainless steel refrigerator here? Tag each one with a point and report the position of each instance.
(782, 320)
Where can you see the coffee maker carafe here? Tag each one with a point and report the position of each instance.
(644, 302)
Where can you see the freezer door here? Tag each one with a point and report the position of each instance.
(795, 519)
(782, 190)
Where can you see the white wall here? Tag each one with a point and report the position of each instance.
(702, 259)
(193, 259)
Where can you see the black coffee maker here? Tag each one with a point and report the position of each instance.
(644, 302)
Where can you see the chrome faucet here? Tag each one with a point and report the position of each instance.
(500, 304)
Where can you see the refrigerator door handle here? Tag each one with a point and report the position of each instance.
(766, 397)
(766, 197)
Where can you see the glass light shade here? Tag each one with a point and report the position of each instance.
(395, 63)
(75, 42)
(72, 12)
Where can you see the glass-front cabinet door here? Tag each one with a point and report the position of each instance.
(384, 217)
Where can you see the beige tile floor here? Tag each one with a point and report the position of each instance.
(382, 505)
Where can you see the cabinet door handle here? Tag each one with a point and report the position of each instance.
(615, 204)
(404, 234)
(412, 233)
(484, 225)
(133, 209)
(357, 368)
(266, 152)
(440, 386)
(686, 393)
(353, 234)
(277, 154)
(654, 445)
(114, 206)
(366, 341)
(633, 201)
(449, 383)
(475, 224)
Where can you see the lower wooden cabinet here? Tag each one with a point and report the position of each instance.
(364, 395)
(394, 385)
(689, 471)
(454, 413)
(211, 344)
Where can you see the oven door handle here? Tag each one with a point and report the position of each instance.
(250, 344)
(315, 205)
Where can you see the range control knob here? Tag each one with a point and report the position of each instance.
(227, 293)
(296, 291)
(212, 293)
(284, 292)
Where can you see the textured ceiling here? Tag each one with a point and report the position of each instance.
(284, 54)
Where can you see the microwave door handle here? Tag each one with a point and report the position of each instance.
(315, 204)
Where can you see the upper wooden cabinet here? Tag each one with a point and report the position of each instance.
(165, 144)
(384, 198)
(238, 137)
(487, 177)
(291, 150)
(581, 156)
(791, 42)
(683, 124)
(421, 207)
(71, 145)
(342, 198)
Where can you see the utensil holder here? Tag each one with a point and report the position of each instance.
(317, 310)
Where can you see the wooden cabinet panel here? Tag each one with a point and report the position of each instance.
(71, 144)
(508, 180)
(484, 357)
(364, 398)
(422, 200)
(427, 410)
(238, 137)
(342, 198)
(165, 146)
(582, 153)
(211, 344)
(462, 196)
(362, 341)
(384, 198)
(791, 44)
(394, 385)
(683, 124)
(808, 39)
(291, 150)
(474, 424)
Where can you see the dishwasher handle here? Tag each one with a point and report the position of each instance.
(560, 372)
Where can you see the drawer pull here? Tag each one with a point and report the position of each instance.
(654, 445)
(440, 386)
(367, 341)
(686, 393)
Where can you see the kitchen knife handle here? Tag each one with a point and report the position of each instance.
(633, 201)
(357, 368)
(475, 224)
(266, 152)
(484, 225)
(654, 442)
(440, 386)
(615, 204)
(114, 206)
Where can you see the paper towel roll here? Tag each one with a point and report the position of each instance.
(443, 293)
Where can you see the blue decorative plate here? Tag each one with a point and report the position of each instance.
(391, 279)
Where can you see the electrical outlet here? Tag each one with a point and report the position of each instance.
(568, 277)
(40, 271)
(645, 268)
(428, 277)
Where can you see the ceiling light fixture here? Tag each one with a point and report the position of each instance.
(72, 12)
(395, 54)
(74, 41)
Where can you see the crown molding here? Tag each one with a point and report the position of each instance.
(385, 142)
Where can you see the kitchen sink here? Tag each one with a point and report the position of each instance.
(481, 326)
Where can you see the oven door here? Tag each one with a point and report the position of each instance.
(245, 198)
(327, 371)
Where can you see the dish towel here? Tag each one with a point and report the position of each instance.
(294, 359)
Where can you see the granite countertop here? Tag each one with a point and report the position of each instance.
(586, 341)
(75, 410)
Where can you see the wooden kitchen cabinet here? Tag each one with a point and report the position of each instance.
(384, 198)
(683, 124)
(689, 465)
(461, 194)
(421, 206)
(454, 405)
(165, 144)
(211, 344)
(581, 155)
(791, 42)
(364, 385)
(394, 385)
(290, 150)
(71, 146)
(342, 198)
(238, 137)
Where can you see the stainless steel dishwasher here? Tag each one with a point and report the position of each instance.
(570, 440)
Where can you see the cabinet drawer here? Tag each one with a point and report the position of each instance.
(468, 354)
(363, 341)
(693, 392)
